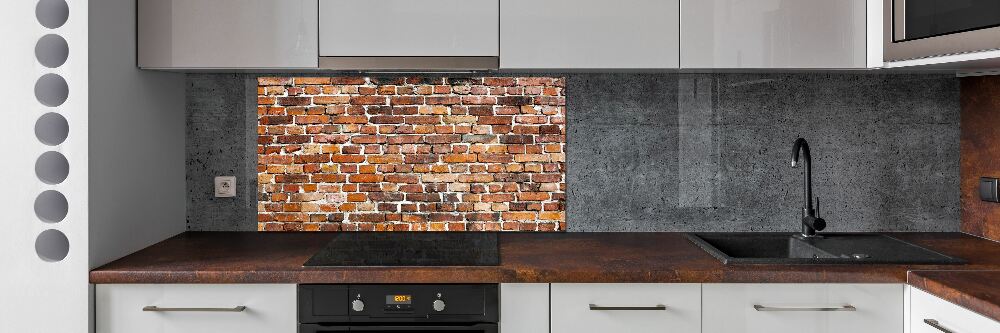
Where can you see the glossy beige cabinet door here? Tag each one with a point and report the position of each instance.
(930, 314)
(589, 34)
(179, 34)
(776, 34)
(633, 308)
(802, 308)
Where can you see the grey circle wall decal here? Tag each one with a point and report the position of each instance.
(51, 51)
(51, 129)
(51, 90)
(51, 206)
(52, 245)
(52, 13)
(52, 167)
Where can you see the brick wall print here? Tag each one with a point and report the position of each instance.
(411, 154)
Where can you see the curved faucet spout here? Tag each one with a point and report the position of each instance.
(807, 189)
(810, 222)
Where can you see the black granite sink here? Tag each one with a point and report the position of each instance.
(836, 248)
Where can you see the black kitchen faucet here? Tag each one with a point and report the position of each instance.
(810, 221)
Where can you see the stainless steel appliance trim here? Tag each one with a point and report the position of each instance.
(409, 63)
(957, 43)
(898, 19)
(759, 307)
(595, 307)
(154, 308)
(935, 324)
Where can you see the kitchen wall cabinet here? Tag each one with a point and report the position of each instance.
(780, 34)
(930, 314)
(404, 28)
(124, 308)
(195, 34)
(802, 308)
(589, 34)
(634, 308)
(524, 308)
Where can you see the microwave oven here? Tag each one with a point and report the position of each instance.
(915, 29)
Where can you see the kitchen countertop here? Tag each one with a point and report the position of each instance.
(255, 257)
(978, 291)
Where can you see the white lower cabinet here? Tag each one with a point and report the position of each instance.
(633, 308)
(524, 308)
(188, 308)
(803, 308)
(930, 314)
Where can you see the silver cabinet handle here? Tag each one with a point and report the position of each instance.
(159, 309)
(596, 307)
(759, 307)
(935, 324)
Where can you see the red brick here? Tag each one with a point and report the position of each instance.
(347, 158)
(499, 81)
(369, 100)
(494, 120)
(546, 178)
(347, 80)
(444, 217)
(423, 120)
(312, 80)
(274, 81)
(366, 217)
(386, 119)
(350, 120)
(327, 100)
(294, 101)
(503, 197)
(316, 158)
(443, 100)
(360, 178)
(384, 159)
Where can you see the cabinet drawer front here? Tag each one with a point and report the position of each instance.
(803, 308)
(195, 308)
(634, 308)
(944, 314)
(406, 28)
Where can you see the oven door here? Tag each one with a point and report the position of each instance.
(473, 328)
(914, 29)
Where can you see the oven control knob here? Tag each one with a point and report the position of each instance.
(358, 305)
(438, 305)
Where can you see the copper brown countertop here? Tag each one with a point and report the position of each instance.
(978, 291)
(252, 257)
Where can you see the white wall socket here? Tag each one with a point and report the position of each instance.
(225, 186)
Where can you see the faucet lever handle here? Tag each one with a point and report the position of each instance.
(817, 206)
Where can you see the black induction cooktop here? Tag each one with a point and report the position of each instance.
(409, 249)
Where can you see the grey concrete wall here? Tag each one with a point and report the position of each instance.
(221, 141)
(685, 152)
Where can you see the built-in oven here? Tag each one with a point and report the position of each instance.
(376, 308)
(916, 29)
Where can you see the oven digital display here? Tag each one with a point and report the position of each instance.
(398, 299)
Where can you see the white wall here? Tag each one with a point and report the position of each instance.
(137, 186)
(125, 183)
(38, 295)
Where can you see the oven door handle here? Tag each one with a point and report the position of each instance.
(484, 328)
